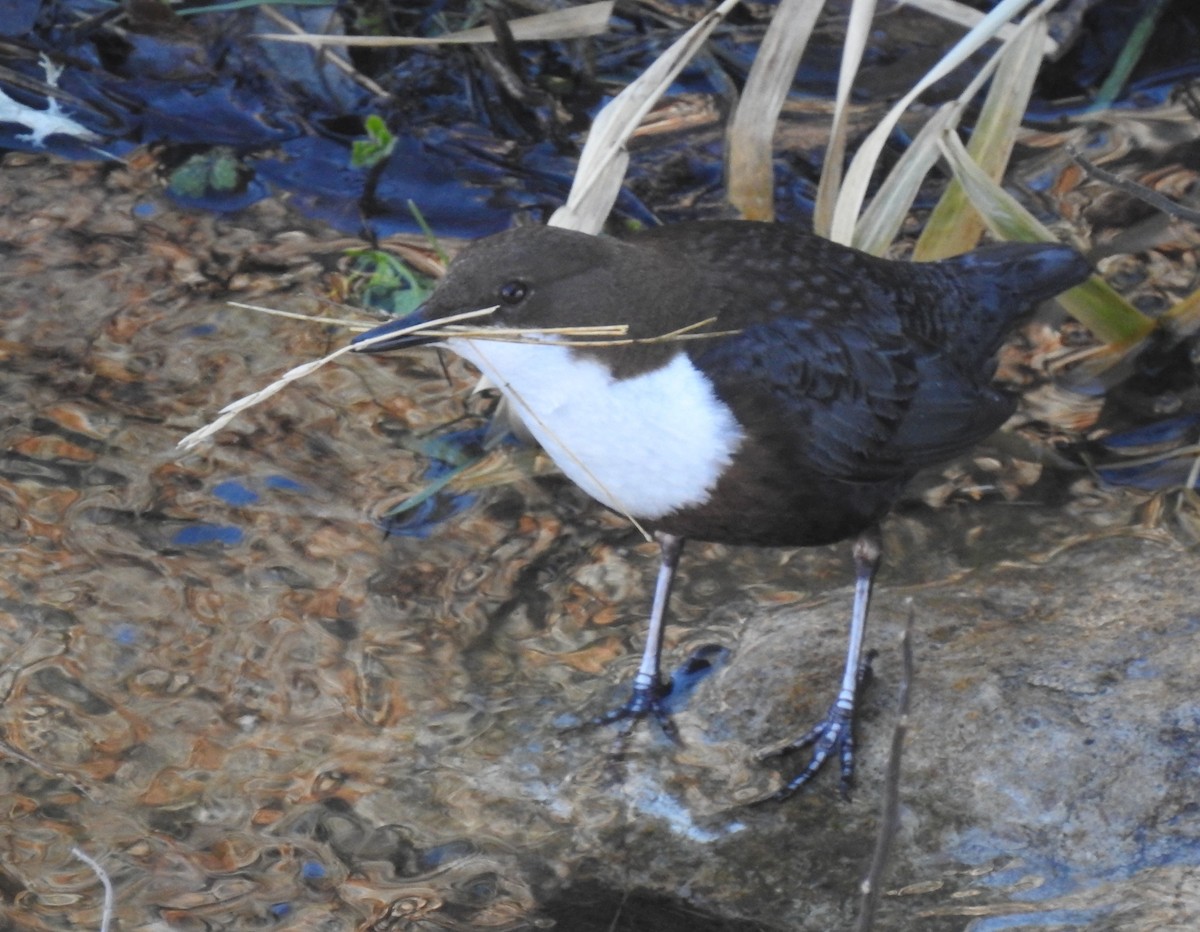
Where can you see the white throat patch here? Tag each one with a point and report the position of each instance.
(645, 446)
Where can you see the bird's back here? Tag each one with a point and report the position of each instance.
(964, 305)
(849, 373)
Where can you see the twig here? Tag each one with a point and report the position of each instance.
(106, 915)
(1140, 191)
(573, 23)
(18, 754)
(889, 819)
(332, 57)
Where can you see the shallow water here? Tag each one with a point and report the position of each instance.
(225, 683)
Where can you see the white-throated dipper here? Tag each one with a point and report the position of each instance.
(830, 379)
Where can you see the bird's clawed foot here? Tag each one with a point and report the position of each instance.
(650, 699)
(832, 736)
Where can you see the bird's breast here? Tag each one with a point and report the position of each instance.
(645, 446)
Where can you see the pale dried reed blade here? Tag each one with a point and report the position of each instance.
(665, 338)
(691, 327)
(679, 337)
(858, 30)
(602, 164)
(631, 341)
(954, 226)
(749, 167)
(234, 408)
(968, 17)
(105, 881)
(338, 61)
(572, 23)
(881, 221)
(858, 176)
(683, 333)
(495, 468)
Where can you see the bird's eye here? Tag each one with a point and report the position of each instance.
(513, 292)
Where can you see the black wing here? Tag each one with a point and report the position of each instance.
(853, 401)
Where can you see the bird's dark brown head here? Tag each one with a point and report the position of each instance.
(543, 277)
(540, 276)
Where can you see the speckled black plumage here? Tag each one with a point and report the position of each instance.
(849, 373)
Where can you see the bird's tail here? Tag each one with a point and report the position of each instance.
(998, 285)
(1024, 273)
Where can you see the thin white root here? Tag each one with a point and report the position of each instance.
(99, 871)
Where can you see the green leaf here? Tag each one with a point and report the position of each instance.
(369, 152)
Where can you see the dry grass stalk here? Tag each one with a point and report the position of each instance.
(233, 409)
(572, 23)
(601, 335)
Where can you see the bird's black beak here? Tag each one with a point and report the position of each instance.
(392, 335)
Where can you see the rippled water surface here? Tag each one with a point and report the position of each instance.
(254, 709)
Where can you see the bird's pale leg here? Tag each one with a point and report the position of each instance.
(835, 732)
(649, 690)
